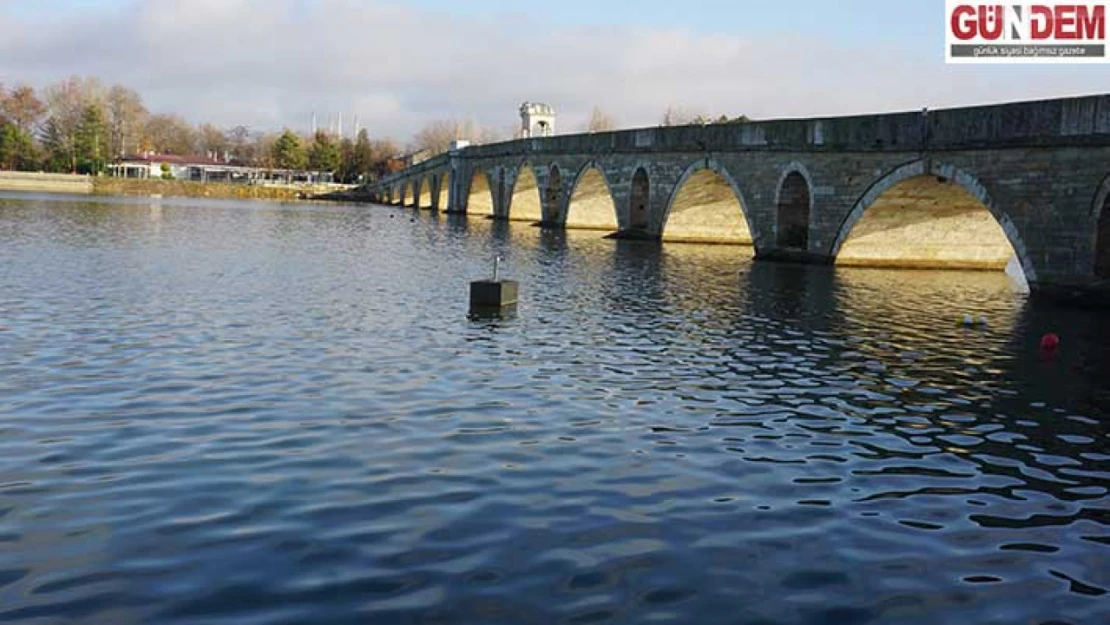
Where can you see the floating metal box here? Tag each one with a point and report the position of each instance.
(486, 294)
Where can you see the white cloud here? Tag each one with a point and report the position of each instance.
(268, 63)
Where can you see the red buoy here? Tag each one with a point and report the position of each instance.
(1050, 341)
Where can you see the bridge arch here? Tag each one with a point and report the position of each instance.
(706, 205)
(443, 186)
(793, 207)
(479, 194)
(403, 194)
(590, 204)
(424, 196)
(1100, 214)
(879, 230)
(524, 202)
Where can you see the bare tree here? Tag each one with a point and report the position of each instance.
(488, 134)
(680, 116)
(212, 139)
(436, 136)
(22, 107)
(170, 134)
(126, 119)
(600, 121)
(66, 104)
(240, 145)
(263, 146)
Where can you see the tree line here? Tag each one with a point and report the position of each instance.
(81, 125)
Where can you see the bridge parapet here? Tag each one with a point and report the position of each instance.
(1023, 124)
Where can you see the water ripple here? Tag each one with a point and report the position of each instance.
(257, 413)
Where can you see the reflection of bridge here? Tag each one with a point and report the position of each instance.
(967, 187)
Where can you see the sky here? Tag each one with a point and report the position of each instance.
(270, 64)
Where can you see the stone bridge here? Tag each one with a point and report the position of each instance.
(976, 188)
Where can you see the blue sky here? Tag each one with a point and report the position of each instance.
(398, 65)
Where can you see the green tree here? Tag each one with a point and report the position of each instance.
(92, 141)
(67, 103)
(57, 154)
(166, 173)
(287, 152)
(357, 158)
(17, 148)
(346, 170)
(324, 154)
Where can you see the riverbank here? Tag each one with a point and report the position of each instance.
(187, 188)
(38, 182)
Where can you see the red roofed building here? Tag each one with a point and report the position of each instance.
(207, 169)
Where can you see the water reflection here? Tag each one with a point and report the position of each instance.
(253, 412)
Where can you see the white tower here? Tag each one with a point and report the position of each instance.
(536, 120)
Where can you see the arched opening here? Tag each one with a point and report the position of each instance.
(480, 200)
(638, 201)
(706, 209)
(591, 205)
(926, 221)
(424, 199)
(524, 204)
(793, 212)
(554, 190)
(444, 190)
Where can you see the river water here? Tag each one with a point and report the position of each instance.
(230, 412)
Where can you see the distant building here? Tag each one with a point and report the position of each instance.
(417, 157)
(536, 120)
(208, 169)
(395, 164)
(404, 161)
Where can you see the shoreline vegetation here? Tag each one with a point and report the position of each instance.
(38, 182)
(81, 125)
